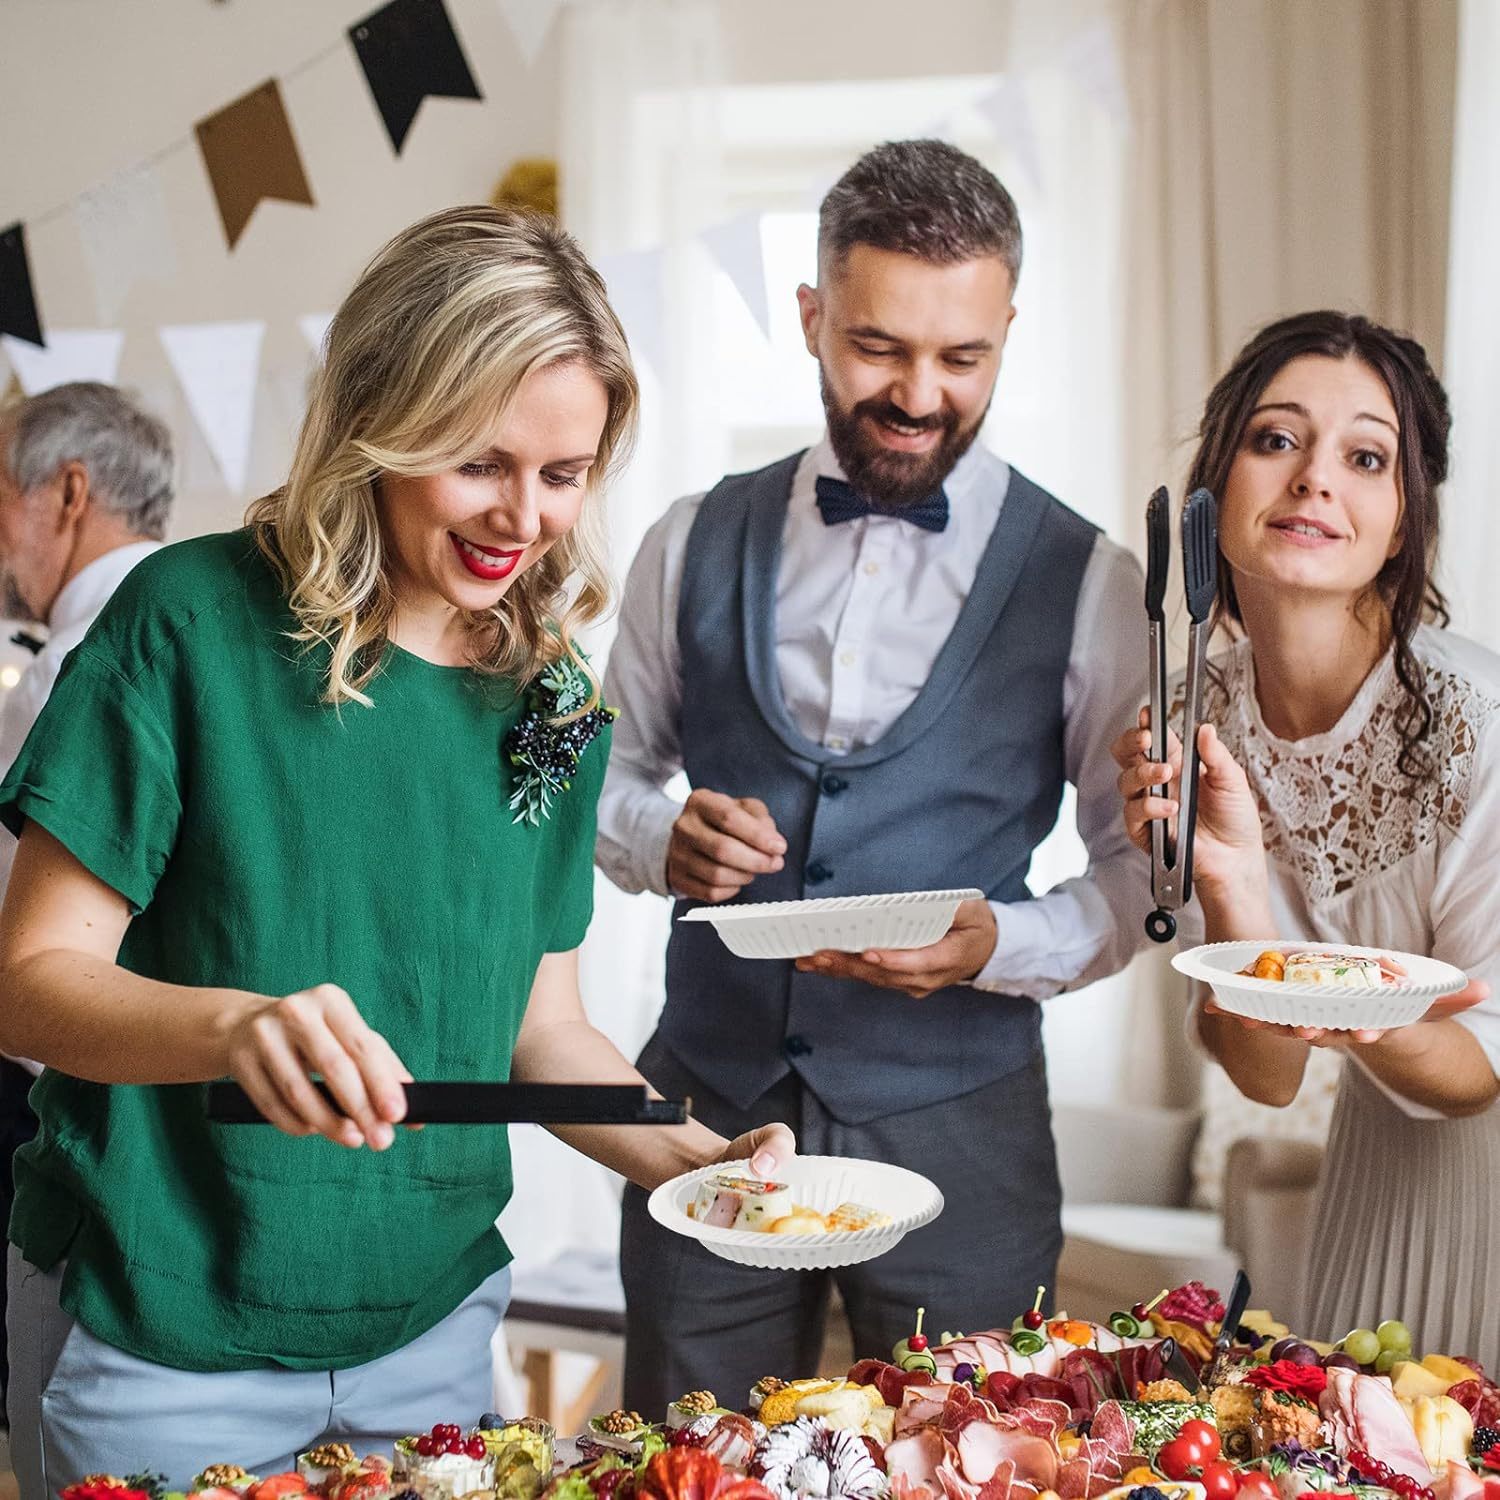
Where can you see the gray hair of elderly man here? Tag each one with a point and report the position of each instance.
(126, 451)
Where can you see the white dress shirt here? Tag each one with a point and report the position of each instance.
(74, 610)
(862, 610)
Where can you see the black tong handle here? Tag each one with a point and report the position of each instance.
(1172, 858)
(489, 1104)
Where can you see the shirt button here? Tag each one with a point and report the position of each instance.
(846, 658)
(871, 569)
(796, 1046)
(835, 742)
(818, 872)
(834, 784)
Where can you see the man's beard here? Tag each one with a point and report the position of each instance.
(885, 477)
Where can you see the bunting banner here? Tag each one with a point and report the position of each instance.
(1094, 62)
(314, 328)
(123, 228)
(633, 280)
(251, 154)
(737, 248)
(18, 315)
(216, 364)
(409, 52)
(529, 22)
(1008, 114)
(71, 354)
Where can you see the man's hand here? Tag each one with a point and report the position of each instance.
(955, 958)
(720, 844)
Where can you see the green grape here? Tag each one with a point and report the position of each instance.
(1361, 1344)
(1385, 1359)
(1394, 1335)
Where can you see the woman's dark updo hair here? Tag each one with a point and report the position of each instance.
(1405, 584)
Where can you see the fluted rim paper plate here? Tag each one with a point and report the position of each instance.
(821, 1183)
(844, 924)
(1331, 1006)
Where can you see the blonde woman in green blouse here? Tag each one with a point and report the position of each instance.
(268, 829)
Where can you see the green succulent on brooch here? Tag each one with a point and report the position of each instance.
(546, 752)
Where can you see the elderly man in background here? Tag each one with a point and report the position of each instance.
(85, 492)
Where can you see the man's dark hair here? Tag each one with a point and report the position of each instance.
(922, 198)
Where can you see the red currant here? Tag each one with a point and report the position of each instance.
(455, 1445)
(1032, 1319)
(424, 1446)
(475, 1447)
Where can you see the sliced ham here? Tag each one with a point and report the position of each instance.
(921, 1405)
(992, 1351)
(915, 1457)
(1362, 1412)
(953, 1484)
(983, 1447)
(1039, 1415)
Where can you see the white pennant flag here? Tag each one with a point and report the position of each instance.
(126, 237)
(1094, 62)
(1009, 115)
(217, 364)
(71, 354)
(737, 248)
(633, 280)
(529, 22)
(314, 328)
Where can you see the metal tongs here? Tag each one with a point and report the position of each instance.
(1172, 857)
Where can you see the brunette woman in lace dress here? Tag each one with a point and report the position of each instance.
(1351, 794)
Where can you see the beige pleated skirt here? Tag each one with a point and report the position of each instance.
(1408, 1226)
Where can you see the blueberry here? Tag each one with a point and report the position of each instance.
(1145, 1492)
(491, 1421)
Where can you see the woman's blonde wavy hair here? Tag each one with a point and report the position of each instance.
(425, 354)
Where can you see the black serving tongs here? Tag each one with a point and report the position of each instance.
(490, 1104)
(1172, 857)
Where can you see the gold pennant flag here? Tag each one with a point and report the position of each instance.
(251, 154)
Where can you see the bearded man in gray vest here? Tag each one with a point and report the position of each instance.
(878, 662)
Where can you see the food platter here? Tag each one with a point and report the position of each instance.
(1334, 1007)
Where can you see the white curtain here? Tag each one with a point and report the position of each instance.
(1471, 522)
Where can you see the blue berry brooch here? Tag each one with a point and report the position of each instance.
(550, 737)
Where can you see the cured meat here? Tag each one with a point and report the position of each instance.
(915, 1457)
(1113, 1428)
(1038, 1415)
(1362, 1412)
(982, 1448)
(1480, 1399)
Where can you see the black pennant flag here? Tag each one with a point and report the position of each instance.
(18, 314)
(409, 51)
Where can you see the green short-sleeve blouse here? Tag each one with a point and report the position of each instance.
(268, 843)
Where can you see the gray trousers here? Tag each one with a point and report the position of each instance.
(696, 1322)
(80, 1406)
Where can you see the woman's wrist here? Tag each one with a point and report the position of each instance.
(1236, 903)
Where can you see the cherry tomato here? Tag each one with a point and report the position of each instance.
(1177, 1458)
(1221, 1480)
(1257, 1486)
(1205, 1434)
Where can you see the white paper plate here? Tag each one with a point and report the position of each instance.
(845, 924)
(820, 1182)
(1326, 1005)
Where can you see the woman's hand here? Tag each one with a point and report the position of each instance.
(274, 1048)
(768, 1149)
(1227, 847)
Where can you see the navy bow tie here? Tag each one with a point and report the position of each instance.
(840, 501)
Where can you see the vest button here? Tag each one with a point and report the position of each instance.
(833, 784)
(797, 1046)
(818, 872)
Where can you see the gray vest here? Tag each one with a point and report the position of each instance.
(958, 792)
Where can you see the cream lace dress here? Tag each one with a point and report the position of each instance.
(1409, 1203)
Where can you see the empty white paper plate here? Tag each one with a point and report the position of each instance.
(845, 924)
(821, 1183)
(1330, 1006)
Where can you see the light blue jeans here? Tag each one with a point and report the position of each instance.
(80, 1406)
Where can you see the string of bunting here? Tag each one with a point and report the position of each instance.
(408, 52)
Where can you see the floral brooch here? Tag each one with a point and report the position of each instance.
(545, 752)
